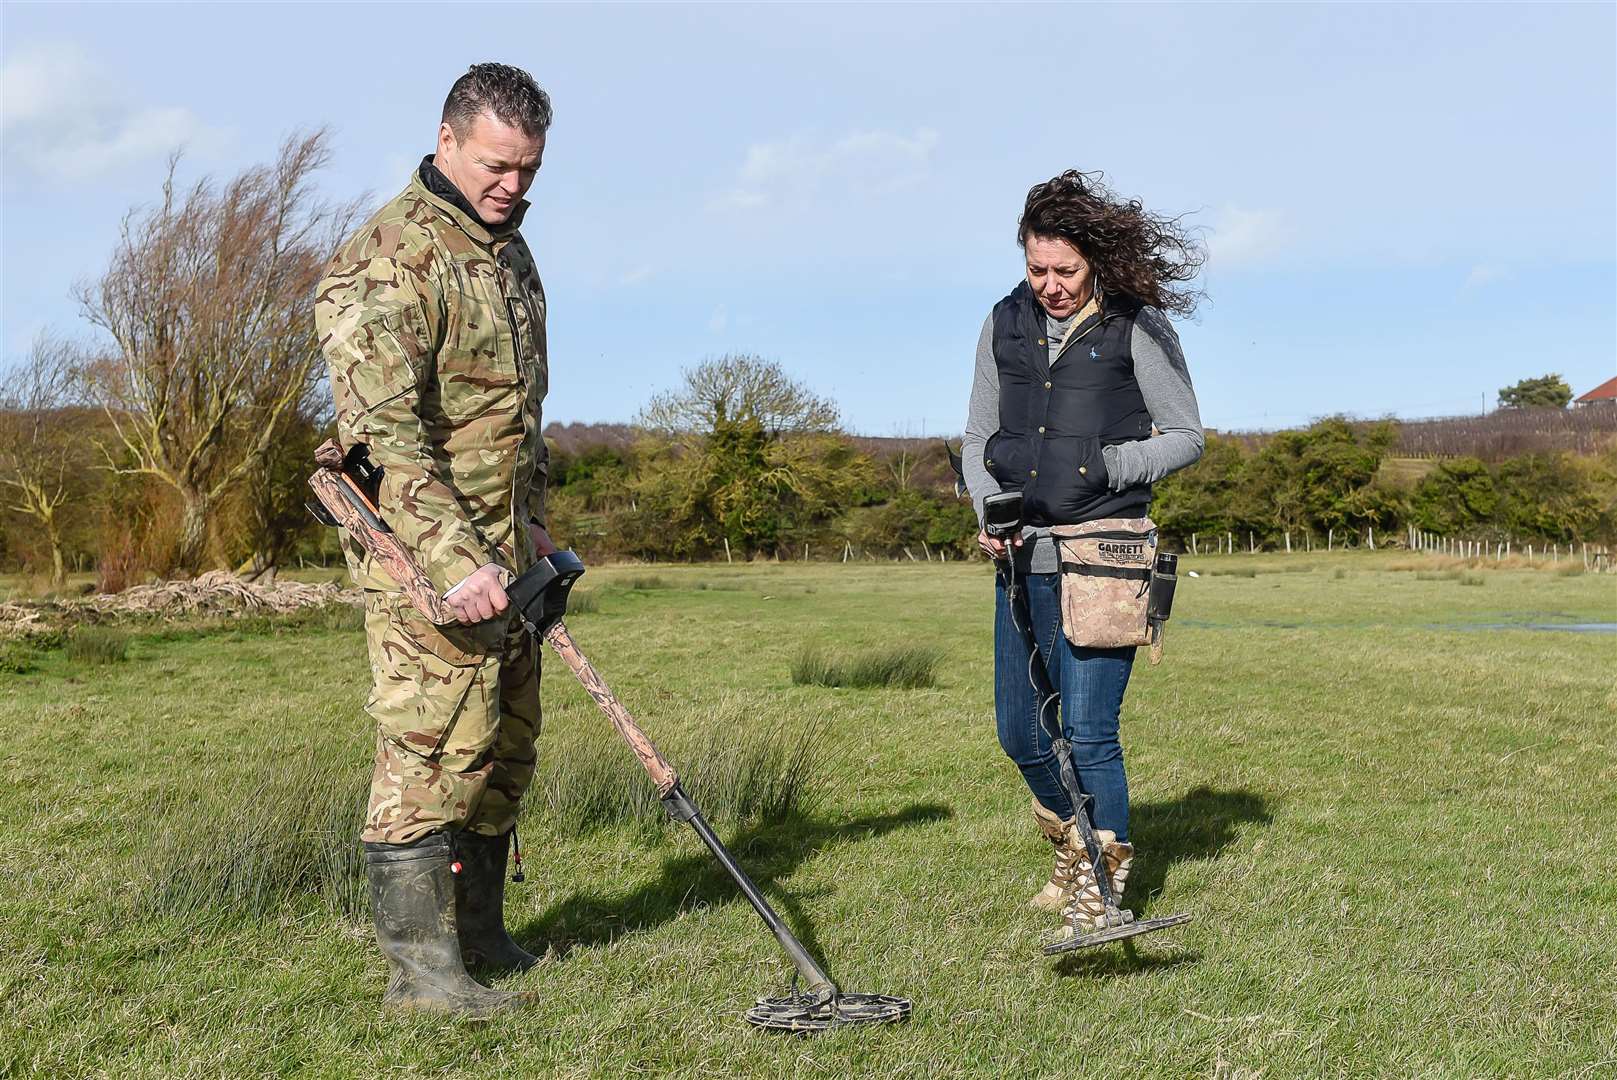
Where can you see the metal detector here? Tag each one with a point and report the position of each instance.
(539, 597)
(1002, 519)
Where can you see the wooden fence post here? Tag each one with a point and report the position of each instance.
(727, 557)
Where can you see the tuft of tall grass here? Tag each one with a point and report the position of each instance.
(284, 828)
(1472, 579)
(583, 602)
(908, 667)
(596, 783)
(338, 616)
(1240, 571)
(17, 658)
(97, 645)
(287, 826)
(646, 582)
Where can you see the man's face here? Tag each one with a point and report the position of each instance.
(493, 166)
(1058, 275)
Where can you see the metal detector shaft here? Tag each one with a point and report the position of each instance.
(680, 808)
(1069, 775)
(679, 805)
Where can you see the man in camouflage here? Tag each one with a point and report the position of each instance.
(432, 320)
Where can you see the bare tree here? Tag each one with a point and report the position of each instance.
(209, 304)
(739, 388)
(44, 459)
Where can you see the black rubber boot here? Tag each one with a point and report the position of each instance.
(480, 904)
(413, 903)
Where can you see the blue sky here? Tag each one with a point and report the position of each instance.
(1408, 207)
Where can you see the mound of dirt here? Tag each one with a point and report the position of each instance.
(215, 594)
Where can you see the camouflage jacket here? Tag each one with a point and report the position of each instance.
(433, 326)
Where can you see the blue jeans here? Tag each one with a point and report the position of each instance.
(1089, 684)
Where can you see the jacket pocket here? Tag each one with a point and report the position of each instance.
(1072, 476)
(1008, 459)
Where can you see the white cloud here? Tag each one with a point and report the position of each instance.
(720, 319)
(802, 168)
(65, 117)
(636, 276)
(1485, 274)
(1242, 237)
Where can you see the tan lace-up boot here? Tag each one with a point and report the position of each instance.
(1084, 911)
(1061, 834)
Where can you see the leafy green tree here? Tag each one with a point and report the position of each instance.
(738, 485)
(1549, 496)
(1457, 496)
(1207, 497)
(745, 456)
(1544, 392)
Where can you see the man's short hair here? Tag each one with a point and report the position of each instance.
(507, 93)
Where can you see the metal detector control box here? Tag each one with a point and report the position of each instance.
(540, 592)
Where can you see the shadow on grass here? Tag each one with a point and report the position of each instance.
(1111, 962)
(768, 853)
(1198, 825)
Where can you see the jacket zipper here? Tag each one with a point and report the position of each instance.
(1071, 341)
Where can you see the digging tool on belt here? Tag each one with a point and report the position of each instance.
(345, 486)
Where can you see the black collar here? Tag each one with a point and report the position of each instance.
(433, 179)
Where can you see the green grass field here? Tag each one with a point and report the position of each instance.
(1395, 830)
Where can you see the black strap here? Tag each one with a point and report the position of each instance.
(1132, 573)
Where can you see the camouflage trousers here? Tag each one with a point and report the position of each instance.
(457, 715)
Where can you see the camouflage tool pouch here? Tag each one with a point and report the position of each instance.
(1106, 581)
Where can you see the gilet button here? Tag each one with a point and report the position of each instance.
(1041, 431)
(1033, 472)
(1083, 471)
(1047, 386)
(1041, 341)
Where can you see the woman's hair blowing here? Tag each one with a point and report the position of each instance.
(1148, 258)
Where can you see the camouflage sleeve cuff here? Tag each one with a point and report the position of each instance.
(447, 577)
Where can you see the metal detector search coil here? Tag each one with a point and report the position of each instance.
(819, 1012)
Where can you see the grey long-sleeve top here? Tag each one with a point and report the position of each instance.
(1159, 368)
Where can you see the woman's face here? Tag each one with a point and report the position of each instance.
(1058, 275)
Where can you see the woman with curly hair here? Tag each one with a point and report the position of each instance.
(1081, 400)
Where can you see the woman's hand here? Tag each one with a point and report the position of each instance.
(995, 549)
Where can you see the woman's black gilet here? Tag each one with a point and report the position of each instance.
(1053, 422)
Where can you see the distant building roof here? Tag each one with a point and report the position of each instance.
(1606, 391)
